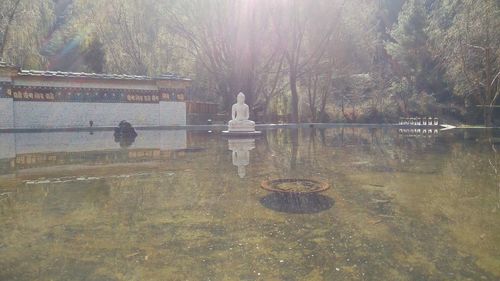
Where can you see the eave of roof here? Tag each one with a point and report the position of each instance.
(6, 64)
(61, 74)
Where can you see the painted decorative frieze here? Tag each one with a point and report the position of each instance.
(91, 95)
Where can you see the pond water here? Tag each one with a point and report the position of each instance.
(187, 205)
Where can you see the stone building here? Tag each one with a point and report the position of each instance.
(55, 100)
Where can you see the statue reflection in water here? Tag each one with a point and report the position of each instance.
(241, 153)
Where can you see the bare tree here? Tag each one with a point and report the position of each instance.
(133, 34)
(469, 48)
(296, 23)
(12, 7)
(234, 44)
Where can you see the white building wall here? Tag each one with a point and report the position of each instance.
(6, 113)
(172, 113)
(78, 114)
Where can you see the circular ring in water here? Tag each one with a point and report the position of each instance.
(294, 186)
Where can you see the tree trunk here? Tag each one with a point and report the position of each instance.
(311, 94)
(322, 113)
(312, 107)
(267, 100)
(295, 97)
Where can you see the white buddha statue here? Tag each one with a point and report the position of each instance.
(240, 113)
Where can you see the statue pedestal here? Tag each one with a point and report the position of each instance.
(235, 126)
(241, 128)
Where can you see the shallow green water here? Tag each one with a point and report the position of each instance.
(400, 207)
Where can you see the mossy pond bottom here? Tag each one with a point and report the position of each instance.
(187, 205)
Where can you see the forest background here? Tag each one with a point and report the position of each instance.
(296, 60)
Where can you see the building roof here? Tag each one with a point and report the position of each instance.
(62, 74)
(41, 73)
(6, 64)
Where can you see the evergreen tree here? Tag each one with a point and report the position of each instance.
(94, 56)
(465, 35)
(414, 65)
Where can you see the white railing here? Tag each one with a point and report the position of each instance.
(419, 121)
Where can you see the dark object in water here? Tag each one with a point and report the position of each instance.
(125, 134)
(297, 203)
(125, 129)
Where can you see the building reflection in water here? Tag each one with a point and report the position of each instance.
(34, 150)
(241, 153)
